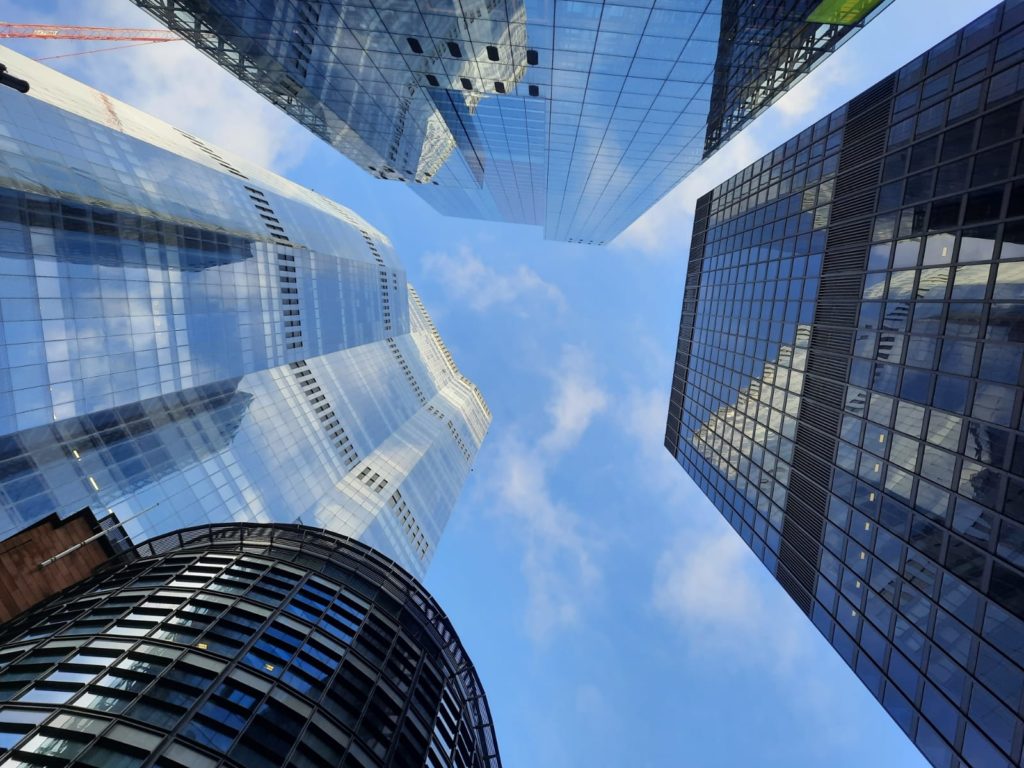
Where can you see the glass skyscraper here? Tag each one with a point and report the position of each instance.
(187, 338)
(847, 389)
(242, 646)
(568, 114)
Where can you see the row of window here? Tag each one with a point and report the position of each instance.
(222, 695)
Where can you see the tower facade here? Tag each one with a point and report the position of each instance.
(847, 389)
(242, 646)
(573, 116)
(188, 338)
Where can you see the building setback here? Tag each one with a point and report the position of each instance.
(847, 389)
(573, 116)
(242, 646)
(188, 338)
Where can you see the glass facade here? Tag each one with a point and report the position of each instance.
(568, 114)
(848, 384)
(242, 646)
(187, 338)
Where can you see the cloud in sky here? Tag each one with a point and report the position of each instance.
(559, 556)
(706, 585)
(641, 414)
(578, 398)
(480, 286)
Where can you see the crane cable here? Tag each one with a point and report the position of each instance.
(100, 50)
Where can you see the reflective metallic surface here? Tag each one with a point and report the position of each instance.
(188, 338)
(848, 386)
(573, 115)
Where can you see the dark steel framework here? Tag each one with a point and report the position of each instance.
(848, 385)
(242, 645)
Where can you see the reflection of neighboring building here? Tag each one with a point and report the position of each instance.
(59, 466)
(188, 338)
(572, 116)
(749, 441)
(900, 530)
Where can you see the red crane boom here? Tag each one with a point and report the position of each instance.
(55, 32)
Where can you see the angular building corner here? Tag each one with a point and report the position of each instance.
(848, 383)
(190, 339)
(573, 116)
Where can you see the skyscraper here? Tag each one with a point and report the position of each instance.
(244, 646)
(847, 389)
(574, 116)
(188, 338)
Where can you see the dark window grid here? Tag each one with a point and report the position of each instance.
(367, 730)
(283, 669)
(830, 628)
(987, 554)
(83, 742)
(902, 535)
(139, 693)
(740, 210)
(936, 87)
(898, 204)
(704, 470)
(114, 666)
(924, 664)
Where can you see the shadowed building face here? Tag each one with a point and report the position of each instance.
(848, 383)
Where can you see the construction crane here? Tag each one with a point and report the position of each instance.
(54, 32)
(132, 37)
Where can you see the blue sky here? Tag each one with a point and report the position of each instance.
(614, 617)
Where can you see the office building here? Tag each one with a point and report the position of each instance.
(187, 338)
(242, 646)
(573, 116)
(847, 389)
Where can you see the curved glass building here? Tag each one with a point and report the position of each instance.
(188, 338)
(246, 646)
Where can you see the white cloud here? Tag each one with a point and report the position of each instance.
(559, 559)
(171, 81)
(704, 582)
(641, 415)
(578, 399)
(481, 287)
(729, 615)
